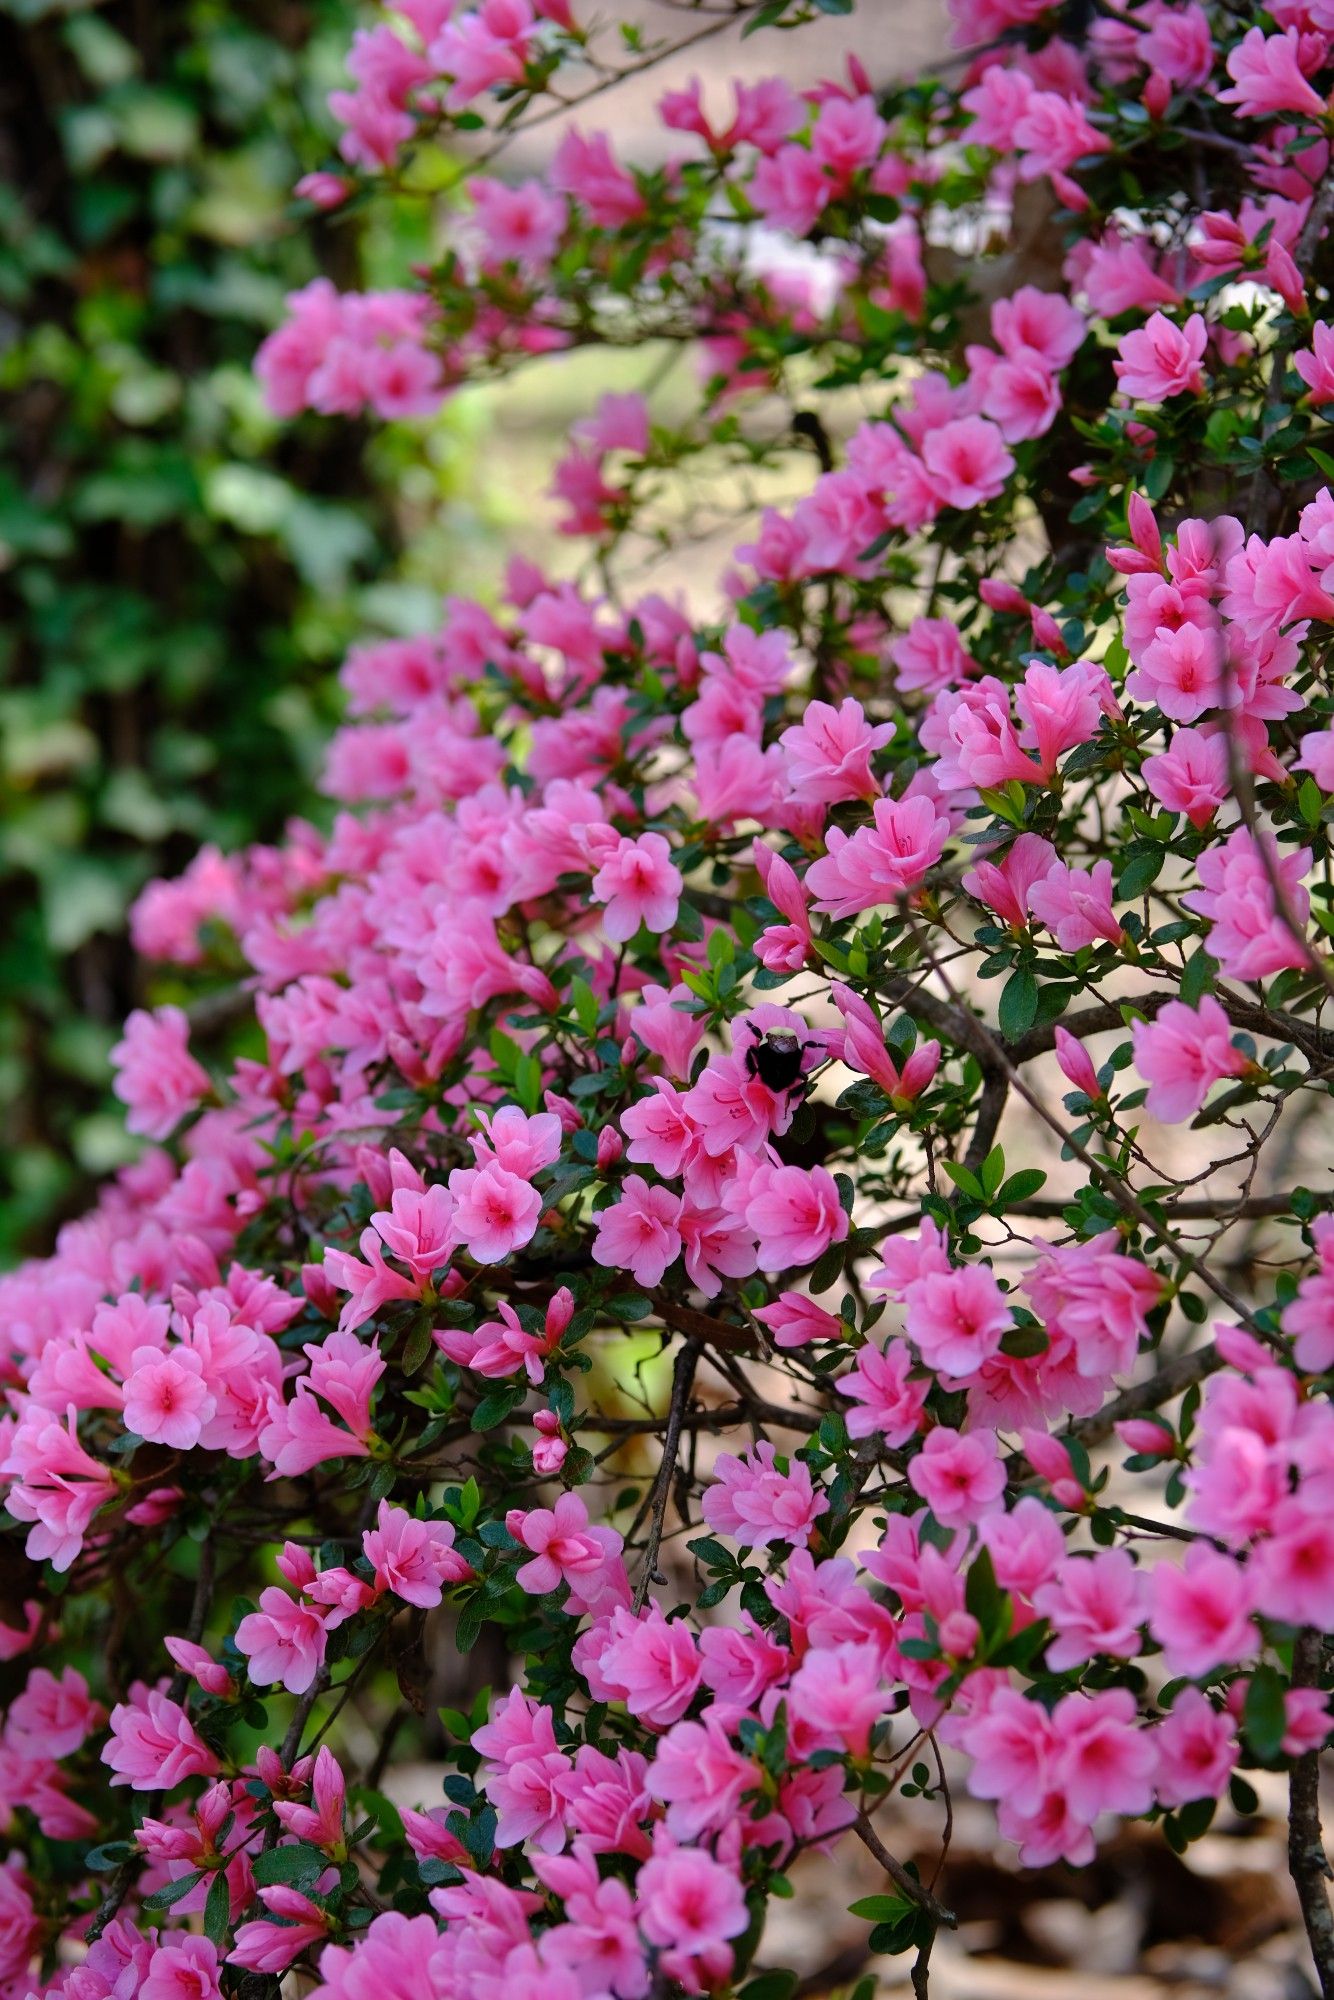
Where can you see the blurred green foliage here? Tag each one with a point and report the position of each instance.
(179, 575)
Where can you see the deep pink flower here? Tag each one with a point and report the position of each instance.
(153, 1744)
(1267, 77)
(156, 1076)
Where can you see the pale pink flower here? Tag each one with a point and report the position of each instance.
(414, 1559)
(272, 1947)
(967, 461)
(167, 1399)
(690, 1905)
(957, 1320)
(1246, 934)
(1181, 1053)
(887, 1401)
(881, 862)
(828, 753)
(1161, 359)
(796, 1214)
(418, 1228)
(1267, 77)
(1004, 885)
(1191, 776)
(641, 1233)
(959, 1476)
(565, 1549)
(1200, 1612)
(648, 1662)
(186, 1968)
(495, 1212)
(1076, 905)
(1103, 1762)
(283, 1641)
(757, 1501)
(837, 1695)
(640, 885)
(1197, 1750)
(522, 224)
(1315, 364)
(1094, 1605)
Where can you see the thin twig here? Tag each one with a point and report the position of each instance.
(683, 1378)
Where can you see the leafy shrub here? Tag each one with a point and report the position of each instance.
(696, 1271)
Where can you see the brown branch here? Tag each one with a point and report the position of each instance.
(915, 1891)
(683, 1378)
(1308, 1863)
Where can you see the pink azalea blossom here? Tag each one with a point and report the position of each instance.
(156, 1076)
(758, 1501)
(1182, 1052)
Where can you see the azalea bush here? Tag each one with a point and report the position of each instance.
(755, 1273)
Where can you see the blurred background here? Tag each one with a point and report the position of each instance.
(179, 579)
(179, 575)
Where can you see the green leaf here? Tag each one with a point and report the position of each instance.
(162, 1899)
(1020, 1186)
(1141, 871)
(776, 1985)
(296, 1866)
(879, 1909)
(1018, 1004)
(964, 1179)
(992, 1171)
(629, 1305)
(1264, 1716)
(1198, 977)
(494, 1409)
(218, 1908)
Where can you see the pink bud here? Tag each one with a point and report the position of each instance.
(610, 1146)
(1143, 524)
(547, 1422)
(1076, 1063)
(407, 1061)
(1157, 95)
(1001, 596)
(1050, 1459)
(297, 1565)
(918, 1071)
(1286, 279)
(1047, 633)
(568, 1113)
(323, 189)
(549, 1455)
(1150, 1440)
(316, 1285)
(958, 1633)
